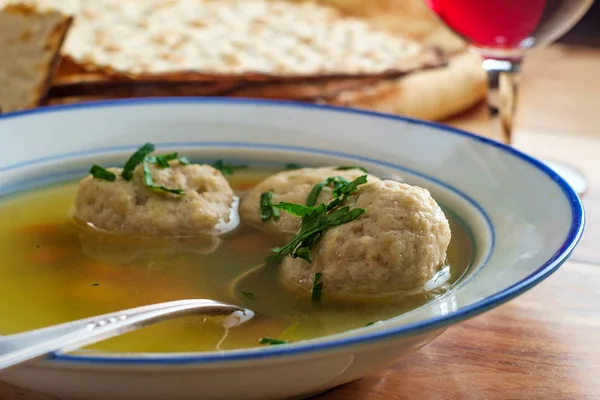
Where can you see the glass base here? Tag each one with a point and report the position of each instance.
(575, 178)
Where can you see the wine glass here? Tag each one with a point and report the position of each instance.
(502, 31)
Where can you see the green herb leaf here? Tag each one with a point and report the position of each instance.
(344, 191)
(163, 161)
(271, 341)
(370, 323)
(317, 288)
(343, 215)
(303, 252)
(311, 224)
(226, 168)
(349, 188)
(248, 295)
(347, 167)
(102, 174)
(292, 166)
(184, 160)
(315, 220)
(136, 159)
(149, 181)
(267, 209)
(95, 284)
(336, 181)
(297, 210)
(314, 194)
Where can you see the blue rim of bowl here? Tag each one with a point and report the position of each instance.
(545, 270)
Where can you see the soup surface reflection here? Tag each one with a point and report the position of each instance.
(48, 277)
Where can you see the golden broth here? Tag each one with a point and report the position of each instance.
(46, 279)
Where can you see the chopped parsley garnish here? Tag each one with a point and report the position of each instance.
(142, 156)
(347, 167)
(136, 159)
(267, 210)
(271, 341)
(103, 174)
(317, 288)
(95, 284)
(297, 210)
(184, 160)
(149, 181)
(292, 166)
(369, 324)
(163, 161)
(316, 219)
(341, 193)
(335, 181)
(227, 168)
(304, 252)
(248, 295)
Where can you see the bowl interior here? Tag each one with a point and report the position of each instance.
(524, 219)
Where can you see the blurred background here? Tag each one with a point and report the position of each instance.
(587, 31)
(425, 90)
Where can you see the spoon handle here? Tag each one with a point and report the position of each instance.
(27, 346)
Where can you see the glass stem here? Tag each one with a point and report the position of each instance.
(503, 85)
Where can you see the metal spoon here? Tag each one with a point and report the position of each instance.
(27, 346)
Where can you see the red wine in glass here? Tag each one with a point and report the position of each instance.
(502, 31)
(505, 27)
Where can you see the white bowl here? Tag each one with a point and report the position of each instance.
(525, 221)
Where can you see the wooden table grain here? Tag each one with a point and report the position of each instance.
(543, 344)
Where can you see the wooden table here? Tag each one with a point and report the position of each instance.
(546, 343)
